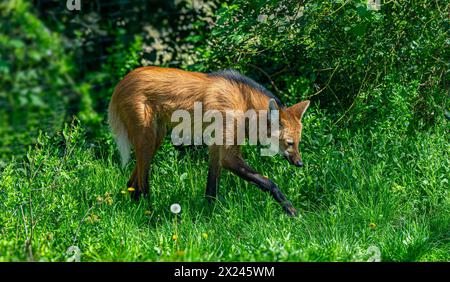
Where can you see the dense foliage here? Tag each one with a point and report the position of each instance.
(35, 78)
(365, 66)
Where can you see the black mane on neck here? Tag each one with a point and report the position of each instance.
(237, 77)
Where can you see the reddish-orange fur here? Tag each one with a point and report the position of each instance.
(143, 102)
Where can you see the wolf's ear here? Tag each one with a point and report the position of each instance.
(272, 107)
(299, 109)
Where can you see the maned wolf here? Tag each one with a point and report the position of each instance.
(140, 116)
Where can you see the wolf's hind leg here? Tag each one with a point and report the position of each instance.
(147, 140)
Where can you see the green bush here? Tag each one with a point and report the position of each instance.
(340, 54)
(35, 81)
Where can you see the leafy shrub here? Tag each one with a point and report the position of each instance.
(35, 81)
(335, 51)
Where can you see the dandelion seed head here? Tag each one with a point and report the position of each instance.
(175, 208)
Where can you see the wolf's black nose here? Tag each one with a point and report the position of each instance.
(299, 163)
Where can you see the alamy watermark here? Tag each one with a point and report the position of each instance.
(375, 254)
(73, 5)
(230, 127)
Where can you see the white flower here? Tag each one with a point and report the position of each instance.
(262, 18)
(175, 208)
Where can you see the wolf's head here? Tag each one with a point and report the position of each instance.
(290, 130)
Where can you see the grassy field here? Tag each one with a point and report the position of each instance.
(359, 193)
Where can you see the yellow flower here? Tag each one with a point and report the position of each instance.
(180, 253)
(99, 199)
(147, 212)
(93, 218)
(174, 237)
(108, 199)
(205, 235)
(372, 225)
(123, 192)
(49, 236)
(131, 189)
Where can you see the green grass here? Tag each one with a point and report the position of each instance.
(397, 181)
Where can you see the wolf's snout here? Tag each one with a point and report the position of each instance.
(292, 161)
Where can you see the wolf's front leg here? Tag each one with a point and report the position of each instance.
(234, 162)
(213, 173)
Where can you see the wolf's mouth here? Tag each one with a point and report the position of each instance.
(292, 162)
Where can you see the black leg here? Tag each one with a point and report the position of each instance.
(213, 174)
(238, 166)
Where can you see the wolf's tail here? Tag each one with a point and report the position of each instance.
(120, 134)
